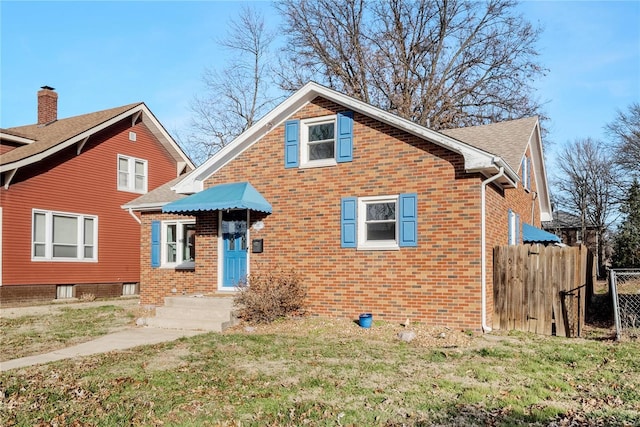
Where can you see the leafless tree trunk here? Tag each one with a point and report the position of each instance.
(236, 96)
(442, 64)
(588, 184)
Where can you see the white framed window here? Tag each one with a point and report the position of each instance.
(132, 174)
(513, 228)
(64, 291)
(378, 222)
(318, 142)
(129, 289)
(62, 236)
(178, 244)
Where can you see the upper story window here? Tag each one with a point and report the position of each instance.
(379, 223)
(132, 174)
(59, 236)
(178, 243)
(319, 141)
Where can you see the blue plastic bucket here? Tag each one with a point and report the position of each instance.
(365, 320)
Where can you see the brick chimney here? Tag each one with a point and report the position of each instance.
(47, 105)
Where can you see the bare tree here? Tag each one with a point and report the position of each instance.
(625, 131)
(587, 182)
(442, 64)
(236, 96)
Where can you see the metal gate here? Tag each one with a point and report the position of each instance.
(625, 292)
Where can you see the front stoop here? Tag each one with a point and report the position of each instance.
(194, 313)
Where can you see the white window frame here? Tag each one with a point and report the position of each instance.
(131, 174)
(363, 243)
(526, 174)
(48, 242)
(304, 142)
(180, 244)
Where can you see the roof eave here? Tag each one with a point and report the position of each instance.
(14, 138)
(475, 158)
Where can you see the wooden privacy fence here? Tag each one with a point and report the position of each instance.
(541, 289)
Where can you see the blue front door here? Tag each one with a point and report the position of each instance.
(234, 253)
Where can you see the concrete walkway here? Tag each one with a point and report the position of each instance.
(121, 340)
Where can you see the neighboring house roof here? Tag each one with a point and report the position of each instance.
(15, 137)
(50, 138)
(565, 220)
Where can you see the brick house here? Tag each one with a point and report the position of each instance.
(377, 213)
(63, 232)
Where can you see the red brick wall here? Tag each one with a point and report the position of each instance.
(437, 282)
(82, 184)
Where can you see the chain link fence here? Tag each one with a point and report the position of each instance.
(625, 291)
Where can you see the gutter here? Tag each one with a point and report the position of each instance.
(134, 216)
(485, 327)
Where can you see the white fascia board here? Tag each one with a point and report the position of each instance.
(475, 159)
(17, 139)
(161, 133)
(542, 185)
(144, 206)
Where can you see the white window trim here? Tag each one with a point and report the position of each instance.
(379, 245)
(131, 163)
(48, 242)
(526, 174)
(304, 142)
(179, 244)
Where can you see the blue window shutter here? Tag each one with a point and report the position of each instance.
(518, 241)
(349, 222)
(345, 137)
(408, 220)
(510, 222)
(529, 173)
(291, 143)
(155, 244)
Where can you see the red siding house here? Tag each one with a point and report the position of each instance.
(63, 232)
(377, 213)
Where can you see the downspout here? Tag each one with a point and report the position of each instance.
(134, 216)
(485, 327)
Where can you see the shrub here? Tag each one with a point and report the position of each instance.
(271, 295)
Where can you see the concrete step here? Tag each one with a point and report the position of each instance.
(194, 313)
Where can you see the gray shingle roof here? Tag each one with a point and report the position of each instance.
(54, 133)
(507, 139)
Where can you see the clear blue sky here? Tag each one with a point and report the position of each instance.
(100, 55)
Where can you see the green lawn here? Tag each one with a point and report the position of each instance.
(317, 372)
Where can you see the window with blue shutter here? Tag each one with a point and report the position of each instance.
(408, 220)
(349, 222)
(291, 143)
(155, 244)
(345, 137)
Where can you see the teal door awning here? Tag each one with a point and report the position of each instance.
(531, 234)
(237, 195)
